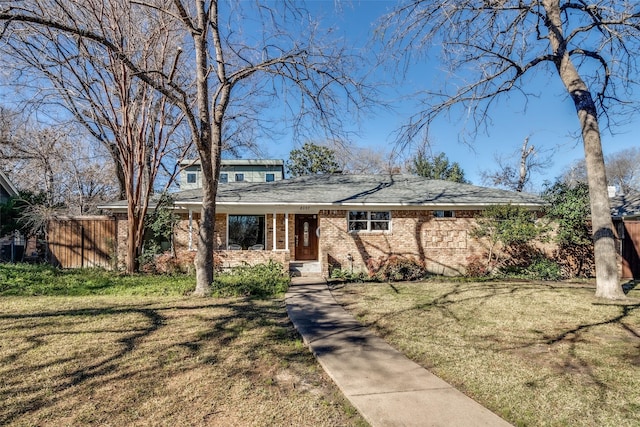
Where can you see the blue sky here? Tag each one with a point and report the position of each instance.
(549, 121)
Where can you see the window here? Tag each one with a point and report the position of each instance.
(191, 177)
(369, 221)
(444, 214)
(224, 178)
(270, 177)
(246, 230)
(239, 177)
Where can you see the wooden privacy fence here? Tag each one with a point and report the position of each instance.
(631, 250)
(86, 241)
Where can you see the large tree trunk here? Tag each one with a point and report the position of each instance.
(204, 256)
(607, 279)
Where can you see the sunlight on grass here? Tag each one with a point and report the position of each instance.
(535, 353)
(92, 347)
(105, 360)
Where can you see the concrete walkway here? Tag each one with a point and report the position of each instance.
(387, 388)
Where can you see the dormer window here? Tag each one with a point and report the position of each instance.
(270, 177)
(192, 178)
(224, 178)
(239, 177)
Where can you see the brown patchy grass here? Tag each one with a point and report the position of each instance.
(159, 361)
(538, 354)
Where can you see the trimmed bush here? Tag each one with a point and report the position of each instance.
(260, 280)
(397, 268)
(544, 269)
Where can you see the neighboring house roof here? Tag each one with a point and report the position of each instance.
(7, 185)
(625, 205)
(238, 162)
(353, 191)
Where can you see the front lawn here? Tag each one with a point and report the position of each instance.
(538, 354)
(107, 355)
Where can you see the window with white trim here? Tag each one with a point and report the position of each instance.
(224, 178)
(369, 221)
(192, 177)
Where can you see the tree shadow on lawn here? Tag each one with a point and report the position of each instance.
(460, 303)
(56, 355)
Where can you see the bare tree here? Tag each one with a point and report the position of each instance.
(239, 54)
(363, 160)
(493, 48)
(517, 177)
(622, 168)
(137, 124)
(74, 177)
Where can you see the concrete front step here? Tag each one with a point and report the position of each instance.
(305, 269)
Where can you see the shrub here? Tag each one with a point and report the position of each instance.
(540, 268)
(397, 268)
(260, 280)
(348, 276)
(476, 267)
(544, 269)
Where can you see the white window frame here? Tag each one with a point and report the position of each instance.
(368, 222)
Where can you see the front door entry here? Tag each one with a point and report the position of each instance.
(306, 243)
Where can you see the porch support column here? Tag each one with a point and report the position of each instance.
(286, 231)
(274, 232)
(190, 229)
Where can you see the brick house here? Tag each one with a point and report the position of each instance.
(319, 222)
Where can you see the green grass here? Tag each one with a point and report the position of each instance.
(262, 281)
(34, 280)
(538, 354)
(104, 349)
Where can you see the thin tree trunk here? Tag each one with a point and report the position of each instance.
(524, 172)
(133, 224)
(607, 279)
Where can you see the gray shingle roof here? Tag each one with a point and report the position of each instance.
(358, 190)
(345, 190)
(625, 205)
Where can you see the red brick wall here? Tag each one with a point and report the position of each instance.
(237, 258)
(443, 243)
(181, 240)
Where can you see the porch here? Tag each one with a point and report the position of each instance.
(252, 236)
